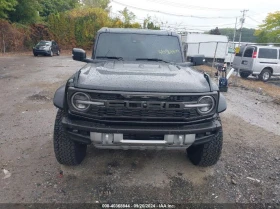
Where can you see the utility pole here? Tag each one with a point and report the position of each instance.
(242, 20)
(234, 33)
(233, 40)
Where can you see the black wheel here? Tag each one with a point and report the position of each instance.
(67, 152)
(51, 54)
(265, 75)
(35, 55)
(244, 75)
(207, 154)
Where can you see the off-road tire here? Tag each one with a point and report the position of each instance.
(51, 54)
(35, 55)
(67, 152)
(261, 76)
(244, 75)
(207, 154)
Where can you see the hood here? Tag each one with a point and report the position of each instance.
(141, 76)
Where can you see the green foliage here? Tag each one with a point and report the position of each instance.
(78, 27)
(56, 6)
(247, 34)
(27, 11)
(262, 37)
(149, 24)
(96, 3)
(215, 31)
(6, 6)
(269, 31)
(127, 16)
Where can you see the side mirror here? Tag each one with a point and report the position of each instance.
(198, 60)
(79, 54)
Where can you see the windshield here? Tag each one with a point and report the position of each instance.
(44, 43)
(133, 47)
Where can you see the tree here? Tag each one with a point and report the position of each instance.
(127, 16)
(262, 37)
(215, 31)
(6, 6)
(55, 6)
(104, 4)
(269, 31)
(26, 12)
(149, 24)
(247, 34)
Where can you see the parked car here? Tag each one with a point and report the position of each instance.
(260, 61)
(46, 48)
(137, 92)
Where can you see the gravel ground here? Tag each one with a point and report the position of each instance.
(248, 171)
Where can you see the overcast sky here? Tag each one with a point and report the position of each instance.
(226, 10)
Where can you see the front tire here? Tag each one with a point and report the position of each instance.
(58, 53)
(244, 75)
(51, 54)
(67, 152)
(265, 75)
(207, 154)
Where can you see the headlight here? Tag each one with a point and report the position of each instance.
(207, 104)
(80, 101)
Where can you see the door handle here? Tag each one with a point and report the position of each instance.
(244, 62)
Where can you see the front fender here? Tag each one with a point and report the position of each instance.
(222, 104)
(59, 96)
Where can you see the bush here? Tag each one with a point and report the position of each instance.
(11, 39)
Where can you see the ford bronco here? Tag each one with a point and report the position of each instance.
(137, 92)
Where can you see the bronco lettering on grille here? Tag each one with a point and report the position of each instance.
(145, 104)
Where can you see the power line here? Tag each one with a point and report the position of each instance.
(254, 20)
(171, 14)
(175, 4)
(161, 24)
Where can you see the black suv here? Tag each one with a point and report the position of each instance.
(136, 92)
(46, 48)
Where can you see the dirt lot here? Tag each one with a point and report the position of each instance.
(251, 149)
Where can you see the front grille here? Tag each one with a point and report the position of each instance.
(140, 108)
(104, 112)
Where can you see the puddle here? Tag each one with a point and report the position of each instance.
(41, 96)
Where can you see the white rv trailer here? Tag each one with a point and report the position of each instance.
(207, 45)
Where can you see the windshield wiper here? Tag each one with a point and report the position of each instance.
(153, 59)
(105, 57)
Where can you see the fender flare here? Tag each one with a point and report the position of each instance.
(58, 99)
(222, 106)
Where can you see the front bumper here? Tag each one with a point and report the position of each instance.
(41, 52)
(117, 136)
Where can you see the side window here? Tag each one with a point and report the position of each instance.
(53, 43)
(248, 52)
(267, 53)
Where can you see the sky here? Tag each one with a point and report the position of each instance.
(198, 15)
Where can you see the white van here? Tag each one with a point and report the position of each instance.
(260, 61)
